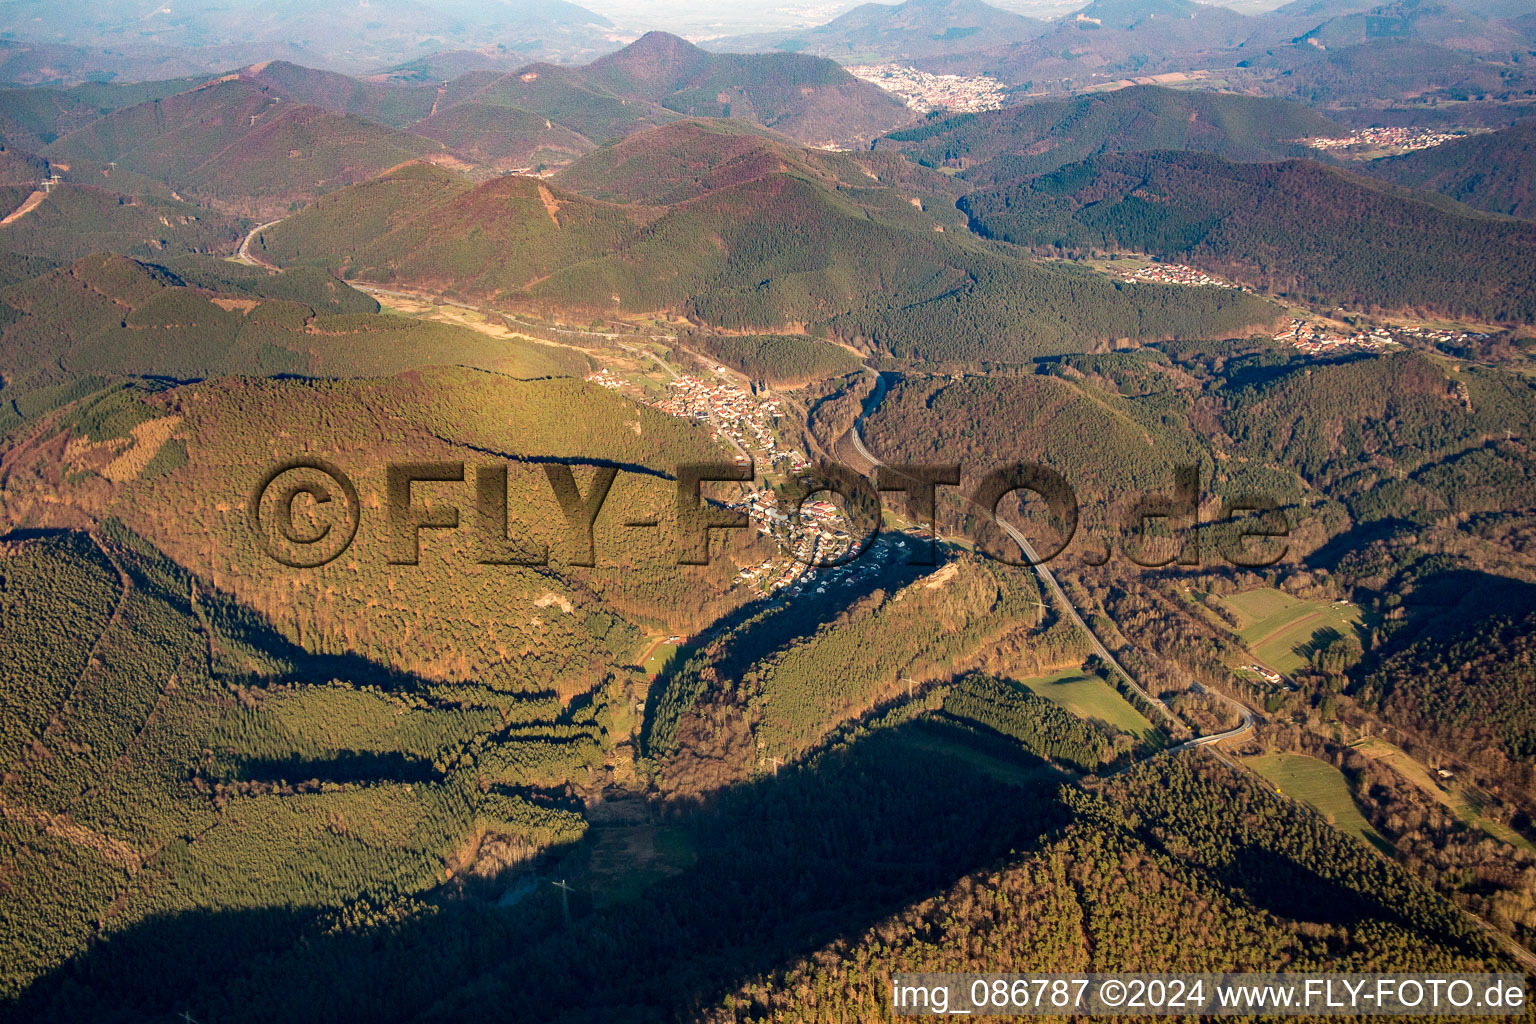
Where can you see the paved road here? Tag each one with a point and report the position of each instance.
(244, 254)
(1054, 587)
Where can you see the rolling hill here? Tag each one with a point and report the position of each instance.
(691, 158)
(1495, 171)
(240, 144)
(394, 105)
(1295, 228)
(140, 40)
(661, 78)
(777, 253)
(1454, 26)
(808, 98)
(1000, 145)
(75, 220)
(1391, 73)
(1111, 39)
(32, 118)
(503, 138)
(905, 31)
(568, 98)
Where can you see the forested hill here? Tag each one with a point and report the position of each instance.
(809, 98)
(694, 157)
(1494, 171)
(240, 143)
(775, 253)
(1228, 877)
(1002, 145)
(1295, 229)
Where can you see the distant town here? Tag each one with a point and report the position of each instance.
(1398, 140)
(923, 92)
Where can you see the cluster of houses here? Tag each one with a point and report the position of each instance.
(736, 414)
(605, 378)
(1319, 339)
(1403, 140)
(748, 422)
(1441, 337)
(819, 535)
(924, 92)
(1175, 273)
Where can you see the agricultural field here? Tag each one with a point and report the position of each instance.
(658, 657)
(1320, 786)
(1280, 629)
(1088, 696)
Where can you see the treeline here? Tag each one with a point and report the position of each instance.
(1039, 726)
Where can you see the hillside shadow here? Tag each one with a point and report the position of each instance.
(1287, 889)
(785, 865)
(770, 623)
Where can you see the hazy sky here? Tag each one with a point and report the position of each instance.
(700, 18)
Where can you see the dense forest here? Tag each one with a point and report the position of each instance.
(1491, 171)
(1295, 229)
(777, 252)
(1000, 146)
(439, 778)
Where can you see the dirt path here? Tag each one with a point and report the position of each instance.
(31, 203)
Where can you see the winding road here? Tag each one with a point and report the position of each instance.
(1048, 578)
(243, 255)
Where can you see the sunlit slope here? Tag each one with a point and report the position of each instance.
(104, 316)
(180, 466)
(240, 143)
(166, 752)
(778, 251)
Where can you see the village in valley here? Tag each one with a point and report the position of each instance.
(1311, 335)
(815, 546)
(1315, 337)
(748, 424)
(924, 92)
(1177, 273)
(1381, 141)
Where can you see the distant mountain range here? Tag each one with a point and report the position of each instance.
(112, 38)
(1295, 51)
(910, 30)
(273, 134)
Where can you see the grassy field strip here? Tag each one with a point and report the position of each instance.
(1320, 786)
(1277, 627)
(1088, 696)
(1454, 797)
